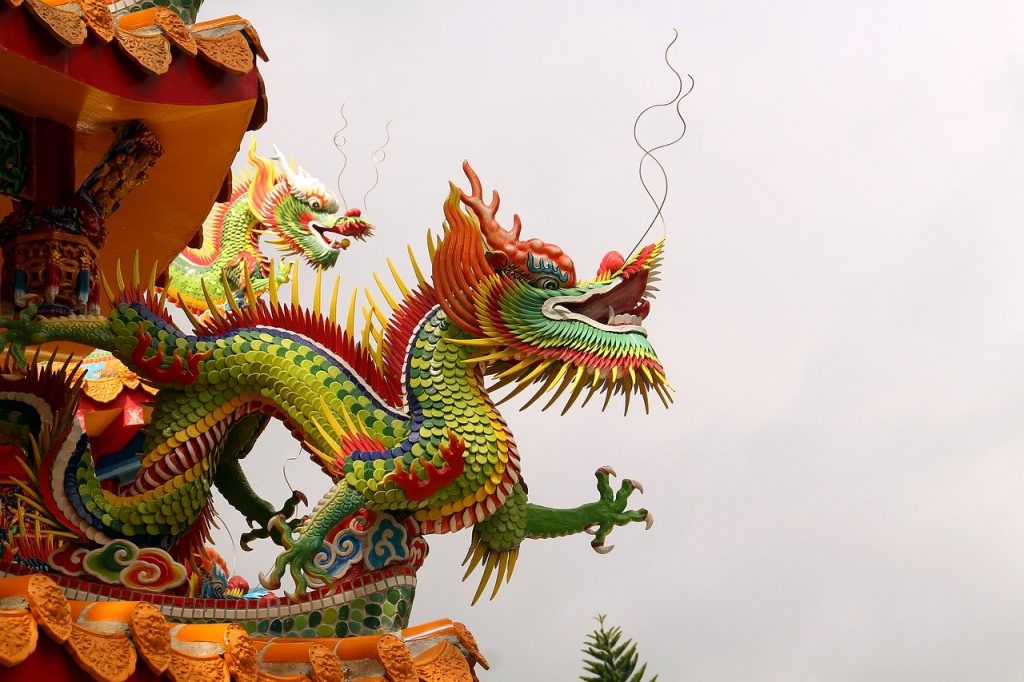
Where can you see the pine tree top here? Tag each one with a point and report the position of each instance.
(611, 658)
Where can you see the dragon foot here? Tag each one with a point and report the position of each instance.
(610, 511)
(271, 530)
(297, 559)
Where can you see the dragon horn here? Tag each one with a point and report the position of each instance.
(282, 161)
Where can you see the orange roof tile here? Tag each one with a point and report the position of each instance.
(146, 37)
(107, 640)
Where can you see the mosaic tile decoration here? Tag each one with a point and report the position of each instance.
(377, 612)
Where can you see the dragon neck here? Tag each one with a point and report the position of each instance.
(444, 380)
(226, 233)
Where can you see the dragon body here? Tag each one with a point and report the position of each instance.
(297, 213)
(401, 420)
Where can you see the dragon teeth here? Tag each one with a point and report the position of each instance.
(626, 318)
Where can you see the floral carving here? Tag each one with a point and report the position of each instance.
(99, 19)
(152, 53)
(396, 659)
(468, 642)
(20, 635)
(49, 607)
(67, 27)
(443, 663)
(185, 668)
(176, 30)
(240, 654)
(152, 636)
(104, 656)
(326, 667)
(230, 52)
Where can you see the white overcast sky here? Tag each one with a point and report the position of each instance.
(838, 488)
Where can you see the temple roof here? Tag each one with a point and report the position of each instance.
(195, 87)
(114, 640)
(149, 37)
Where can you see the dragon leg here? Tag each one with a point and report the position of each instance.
(233, 484)
(496, 540)
(302, 544)
(598, 518)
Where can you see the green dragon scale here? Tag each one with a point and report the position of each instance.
(401, 420)
(296, 212)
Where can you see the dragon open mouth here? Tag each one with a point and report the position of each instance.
(326, 233)
(340, 234)
(620, 308)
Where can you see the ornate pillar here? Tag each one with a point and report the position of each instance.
(52, 237)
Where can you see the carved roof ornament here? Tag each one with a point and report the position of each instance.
(146, 32)
(118, 640)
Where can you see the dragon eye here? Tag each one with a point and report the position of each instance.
(315, 204)
(549, 283)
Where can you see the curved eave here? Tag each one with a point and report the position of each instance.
(198, 110)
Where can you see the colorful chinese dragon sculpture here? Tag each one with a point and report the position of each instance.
(286, 204)
(401, 422)
(116, 428)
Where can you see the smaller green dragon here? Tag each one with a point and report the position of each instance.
(295, 209)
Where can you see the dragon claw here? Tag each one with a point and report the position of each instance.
(246, 538)
(278, 527)
(610, 510)
(270, 583)
(297, 559)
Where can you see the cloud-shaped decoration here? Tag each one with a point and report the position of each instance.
(388, 542)
(68, 559)
(338, 555)
(121, 562)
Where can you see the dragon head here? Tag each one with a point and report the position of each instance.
(520, 303)
(299, 213)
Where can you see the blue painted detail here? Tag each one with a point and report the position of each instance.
(20, 283)
(83, 286)
(387, 543)
(125, 463)
(543, 266)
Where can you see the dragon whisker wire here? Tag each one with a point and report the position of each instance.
(676, 103)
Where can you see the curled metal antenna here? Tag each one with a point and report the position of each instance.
(377, 157)
(284, 470)
(676, 103)
(231, 541)
(339, 143)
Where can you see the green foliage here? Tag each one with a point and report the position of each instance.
(610, 658)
